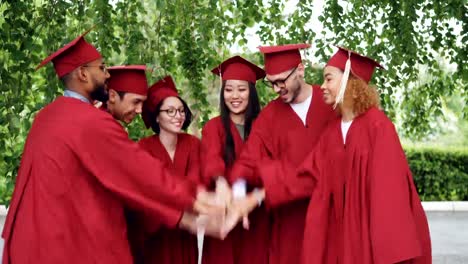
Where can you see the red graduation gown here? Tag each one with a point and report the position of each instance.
(365, 201)
(241, 246)
(164, 245)
(279, 142)
(78, 171)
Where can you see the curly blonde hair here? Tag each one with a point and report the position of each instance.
(360, 96)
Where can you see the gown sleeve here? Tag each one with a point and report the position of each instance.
(256, 149)
(194, 168)
(393, 227)
(211, 153)
(131, 173)
(285, 183)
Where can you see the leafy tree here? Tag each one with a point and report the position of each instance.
(186, 38)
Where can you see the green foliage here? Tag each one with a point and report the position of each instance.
(404, 35)
(439, 174)
(186, 38)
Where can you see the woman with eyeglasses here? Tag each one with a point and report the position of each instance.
(167, 115)
(222, 140)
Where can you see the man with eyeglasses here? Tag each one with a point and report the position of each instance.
(283, 134)
(78, 172)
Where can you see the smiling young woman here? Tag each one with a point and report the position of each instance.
(222, 140)
(167, 115)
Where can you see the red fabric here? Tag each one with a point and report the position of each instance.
(168, 245)
(238, 68)
(240, 246)
(365, 203)
(279, 59)
(128, 78)
(361, 66)
(71, 56)
(78, 171)
(280, 137)
(213, 140)
(156, 94)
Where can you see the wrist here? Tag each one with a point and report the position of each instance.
(259, 196)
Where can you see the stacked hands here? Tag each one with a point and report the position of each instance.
(217, 213)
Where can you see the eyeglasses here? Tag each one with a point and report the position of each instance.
(171, 112)
(279, 83)
(103, 67)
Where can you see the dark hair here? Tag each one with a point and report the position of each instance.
(155, 125)
(121, 94)
(66, 78)
(251, 112)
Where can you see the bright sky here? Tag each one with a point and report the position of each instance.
(253, 41)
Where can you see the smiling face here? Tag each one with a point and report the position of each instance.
(236, 96)
(287, 84)
(125, 108)
(171, 116)
(331, 84)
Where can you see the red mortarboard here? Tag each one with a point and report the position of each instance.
(72, 55)
(238, 68)
(156, 94)
(361, 66)
(128, 78)
(282, 58)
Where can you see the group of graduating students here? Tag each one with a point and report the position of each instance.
(317, 176)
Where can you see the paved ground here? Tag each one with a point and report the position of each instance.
(449, 233)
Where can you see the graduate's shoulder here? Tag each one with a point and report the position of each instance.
(73, 110)
(215, 121)
(273, 104)
(273, 108)
(212, 125)
(147, 140)
(377, 119)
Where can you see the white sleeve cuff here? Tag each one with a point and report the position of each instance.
(239, 189)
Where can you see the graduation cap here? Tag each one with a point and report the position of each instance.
(350, 61)
(282, 58)
(238, 68)
(156, 94)
(71, 56)
(128, 78)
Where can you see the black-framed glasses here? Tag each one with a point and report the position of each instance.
(172, 112)
(103, 67)
(279, 83)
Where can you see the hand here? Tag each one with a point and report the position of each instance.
(223, 191)
(207, 203)
(212, 226)
(189, 222)
(242, 207)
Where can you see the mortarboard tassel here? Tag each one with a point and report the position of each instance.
(344, 82)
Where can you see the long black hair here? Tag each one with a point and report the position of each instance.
(251, 112)
(155, 125)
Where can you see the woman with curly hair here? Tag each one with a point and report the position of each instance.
(364, 206)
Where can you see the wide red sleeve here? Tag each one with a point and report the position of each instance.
(132, 174)
(285, 183)
(212, 142)
(256, 149)
(194, 162)
(394, 232)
